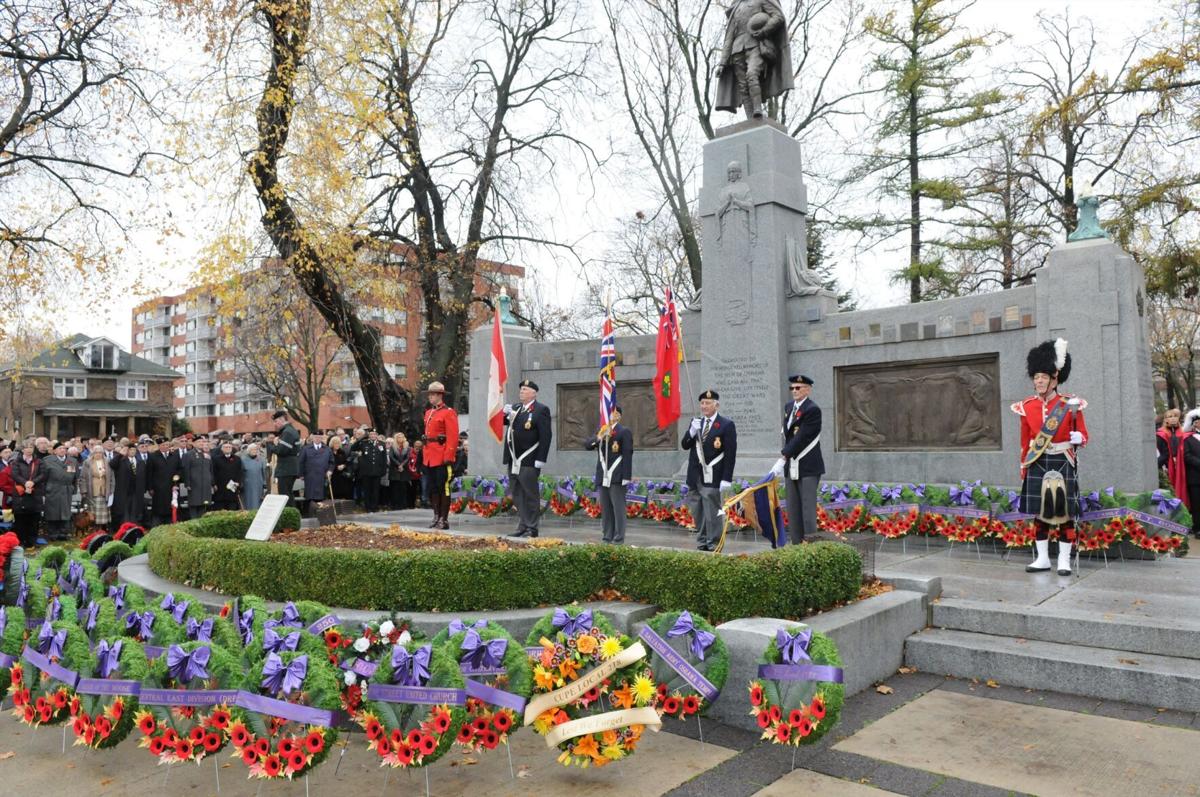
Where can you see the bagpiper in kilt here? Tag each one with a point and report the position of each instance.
(1052, 431)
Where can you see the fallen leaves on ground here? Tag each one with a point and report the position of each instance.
(1134, 662)
(7, 755)
(907, 670)
(523, 771)
(884, 689)
(872, 588)
(993, 684)
(608, 594)
(398, 538)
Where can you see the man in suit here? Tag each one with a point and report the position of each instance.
(369, 468)
(526, 449)
(124, 498)
(198, 474)
(800, 463)
(614, 470)
(285, 448)
(140, 503)
(711, 443)
(163, 473)
(316, 467)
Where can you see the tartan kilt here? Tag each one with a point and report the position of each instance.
(98, 506)
(1031, 489)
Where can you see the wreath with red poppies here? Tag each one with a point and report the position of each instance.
(184, 705)
(689, 662)
(498, 677)
(285, 722)
(12, 641)
(43, 681)
(358, 655)
(798, 694)
(106, 696)
(414, 705)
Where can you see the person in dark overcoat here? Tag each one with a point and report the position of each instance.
(316, 467)
(163, 474)
(27, 501)
(614, 470)
(711, 443)
(124, 497)
(801, 464)
(198, 473)
(226, 478)
(343, 473)
(526, 449)
(56, 481)
(369, 468)
(139, 460)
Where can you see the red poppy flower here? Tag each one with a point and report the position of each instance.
(18, 699)
(671, 705)
(382, 747)
(333, 639)
(263, 746)
(374, 729)
(240, 736)
(756, 695)
(441, 722)
(662, 690)
(502, 720)
(465, 734)
(78, 726)
(45, 714)
(405, 754)
(196, 734)
(691, 704)
(212, 742)
(776, 714)
(224, 610)
(795, 716)
(40, 703)
(817, 709)
(116, 710)
(805, 727)
(491, 739)
(15, 676)
(271, 766)
(89, 735)
(170, 737)
(763, 719)
(103, 726)
(183, 748)
(428, 744)
(219, 718)
(782, 732)
(480, 724)
(297, 761)
(397, 736)
(287, 746)
(28, 713)
(157, 745)
(74, 705)
(249, 756)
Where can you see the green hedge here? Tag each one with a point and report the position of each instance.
(788, 583)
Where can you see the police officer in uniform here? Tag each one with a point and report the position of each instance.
(801, 464)
(369, 467)
(711, 443)
(526, 449)
(286, 450)
(614, 469)
(441, 447)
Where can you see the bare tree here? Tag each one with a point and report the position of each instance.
(1174, 325)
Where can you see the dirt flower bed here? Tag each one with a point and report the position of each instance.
(397, 538)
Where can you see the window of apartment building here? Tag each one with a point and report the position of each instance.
(179, 392)
(131, 390)
(191, 324)
(189, 390)
(395, 342)
(263, 404)
(191, 346)
(350, 398)
(139, 318)
(402, 317)
(139, 337)
(226, 408)
(66, 387)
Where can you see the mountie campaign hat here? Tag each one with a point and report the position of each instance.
(1049, 357)
(529, 383)
(711, 394)
(800, 379)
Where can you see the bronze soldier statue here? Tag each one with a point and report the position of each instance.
(756, 61)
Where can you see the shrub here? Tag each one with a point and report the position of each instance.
(787, 583)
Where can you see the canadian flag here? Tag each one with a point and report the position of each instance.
(497, 376)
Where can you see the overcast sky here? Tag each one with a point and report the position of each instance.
(161, 264)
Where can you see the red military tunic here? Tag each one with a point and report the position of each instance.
(1033, 412)
(440, 421)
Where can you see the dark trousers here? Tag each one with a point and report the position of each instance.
(526, 495)
(801, 507)
(25, 524)
(439, 489)
(368, 492)
(612, 512)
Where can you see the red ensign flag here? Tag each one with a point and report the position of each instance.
(668, 356)
(497, 376)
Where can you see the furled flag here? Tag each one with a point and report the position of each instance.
(497, 376)
(608, 371)
(759, 505)
(668, 356)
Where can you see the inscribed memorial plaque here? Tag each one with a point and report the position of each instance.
(579, 416)
(266, 517)
(920, 405)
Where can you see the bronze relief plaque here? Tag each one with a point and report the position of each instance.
(920, 405)
(579, 416)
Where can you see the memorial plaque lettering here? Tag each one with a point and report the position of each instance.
(745, 392)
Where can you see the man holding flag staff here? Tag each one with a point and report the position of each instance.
(801, 464)
(711, 443)
(614, 469)
(526, 449)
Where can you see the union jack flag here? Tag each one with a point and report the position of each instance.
(608, 371)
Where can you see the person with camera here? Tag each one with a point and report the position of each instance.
(526, 449)
(441, 443)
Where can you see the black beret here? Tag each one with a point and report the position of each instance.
(711, 394)
(800, 379)
(278, 414)
(617, 408)
(529, 383)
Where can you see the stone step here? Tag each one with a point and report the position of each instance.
(1102, 673)
(1177, 636)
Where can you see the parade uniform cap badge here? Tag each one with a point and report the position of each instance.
(529, 383)
(711, 394)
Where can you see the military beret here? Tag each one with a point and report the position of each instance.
(529, 383)
(800, 379)
(711, 394)
(278, 414)
(617, 408)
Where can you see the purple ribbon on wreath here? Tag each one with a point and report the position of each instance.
(286, 678)
(579, 624)
(891, 493)
(275, 642)
(289, 617)
(411, 669)
(108, 657)
(961, 495)
(838, 493)
(140, 625)
(117, 594)
(23, 594)
(200, 632)
(793, 648)
(89, 617)
(700, 641)
(482, 655)
(1166, 506)
(865, 487)
(457, 626)
(1091, 501)
(245, 624)
(49, 642)
(918, 489)
(54, 610)
(3, 620)
(184, 666)
(83, 592)
(74, 572)
(177, 608)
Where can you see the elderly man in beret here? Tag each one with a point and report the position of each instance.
(526, 449)
(711, 443)
(800, 463)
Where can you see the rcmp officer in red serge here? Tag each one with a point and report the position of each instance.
(526, 449)
(614, 469)
(441, 445)
(1052, 431)
(711, 443)
(801, 464)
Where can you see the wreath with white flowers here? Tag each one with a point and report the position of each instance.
(286, 715)
(689, 662)
(43, 681)
(498, 677)
(593, 691)
(414, 705)
(106, 697)
(185, 700)
(798, 694)
(358, 656)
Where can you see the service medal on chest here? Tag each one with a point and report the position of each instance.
(616, 447)
(796, 429)
(1052, 423)
(528, 424)
(717, 443)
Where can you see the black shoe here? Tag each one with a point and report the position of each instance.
(520, 533)
(436, 522)
(1064, 572)
(444, 525)
(710, 548)
(702, 546)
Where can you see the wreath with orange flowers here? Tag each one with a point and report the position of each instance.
(414, 705)
(689, 662)
(798, 695)
(12, 640)
(586, 670)
(498, 680)
(175, 725)
(106, 696)
(43, 681)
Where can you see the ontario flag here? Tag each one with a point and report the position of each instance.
(608, 371)
(668, 355)
(497, 377)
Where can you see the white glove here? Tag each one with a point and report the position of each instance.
(537, 463)
(777, 468)
(625, 483)
(510, 410)
(110, 500)
(725, 485)
(694, 428)
(1076, 438)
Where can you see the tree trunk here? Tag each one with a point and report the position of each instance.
(914, 198)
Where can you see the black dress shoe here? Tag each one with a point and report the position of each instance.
(710, 548)
(519, 533)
